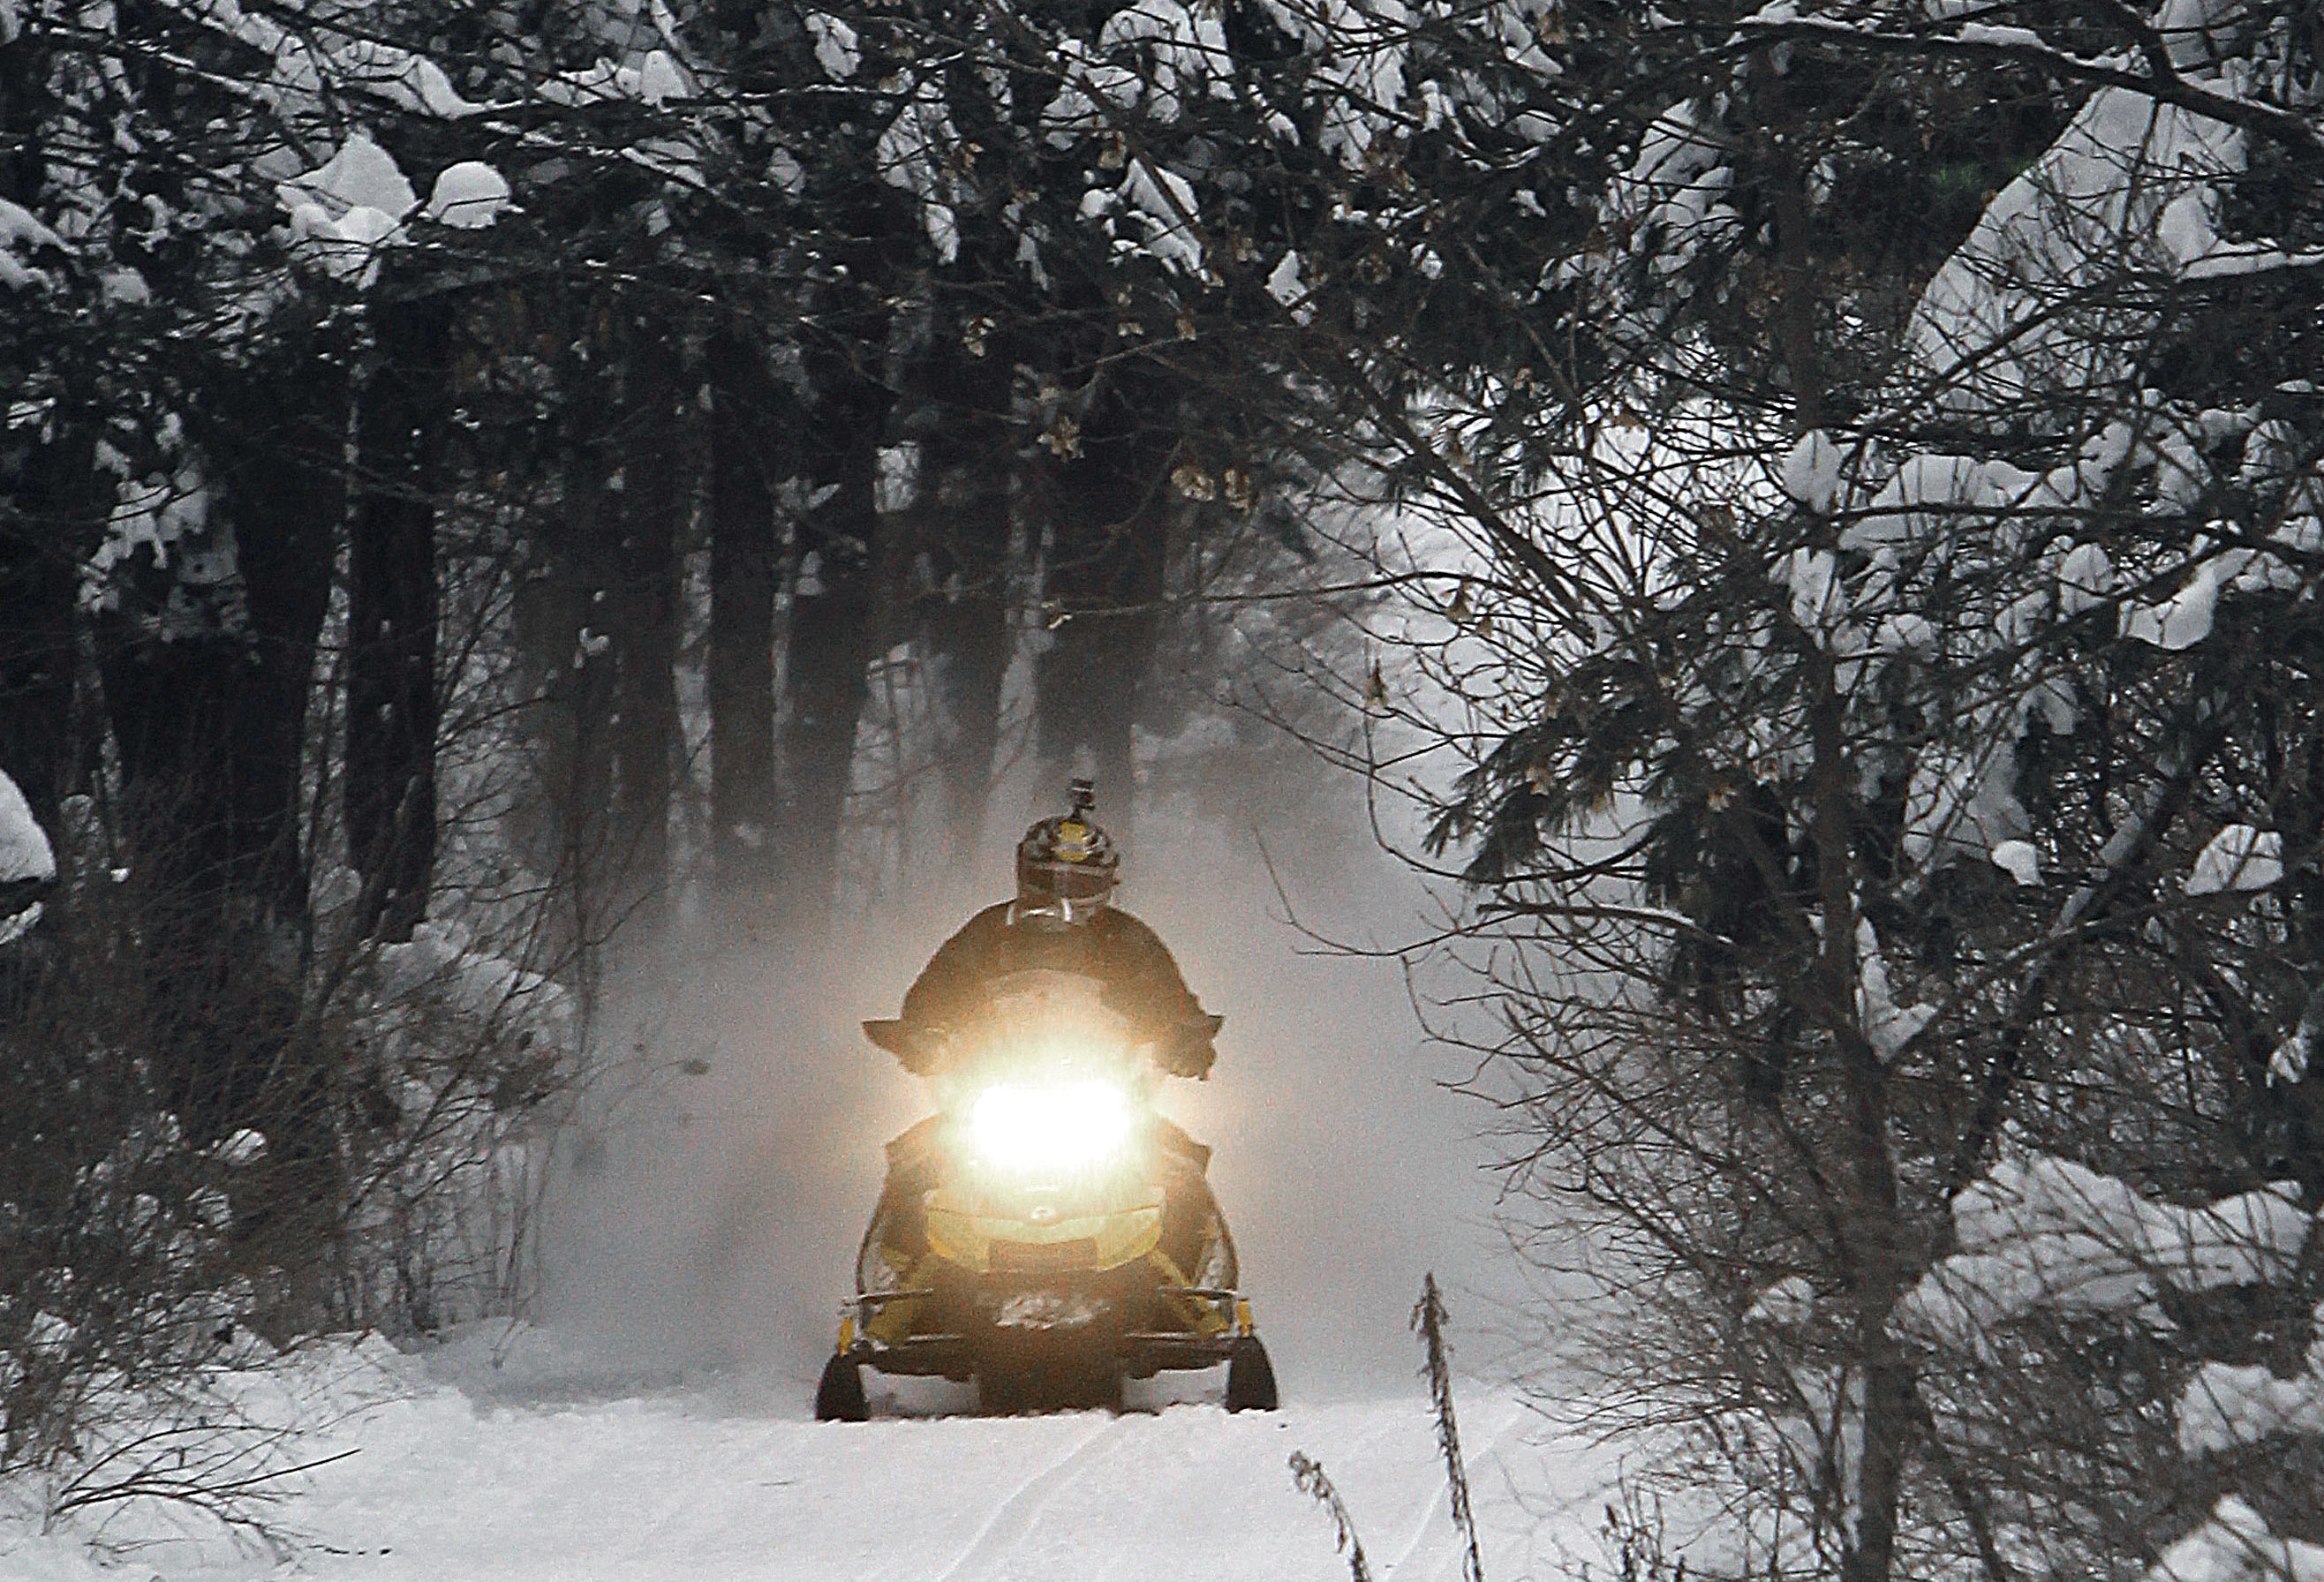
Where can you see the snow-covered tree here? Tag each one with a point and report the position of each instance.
(1884, 655)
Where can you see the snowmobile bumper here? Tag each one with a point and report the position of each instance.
(1216, 1321)
(936, 1353)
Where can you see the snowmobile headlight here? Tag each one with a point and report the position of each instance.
(1064, 1126)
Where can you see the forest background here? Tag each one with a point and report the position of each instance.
(1811, 509)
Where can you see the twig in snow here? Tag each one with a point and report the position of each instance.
(1309, 1475)
(1428, 1323)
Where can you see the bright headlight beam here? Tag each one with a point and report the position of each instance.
(1068, 1127)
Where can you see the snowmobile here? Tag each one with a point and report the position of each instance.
(1046, 1233)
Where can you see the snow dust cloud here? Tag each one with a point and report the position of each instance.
(713, 1222)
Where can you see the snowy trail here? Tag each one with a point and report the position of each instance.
(1015, 1517)
(1435, 1524)
(528, 1475)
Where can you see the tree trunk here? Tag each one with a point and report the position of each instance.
(1873, 1248)
(390, 794)
(52, 522)
(964, 521)
(1109, 546)
(560, 828)
(833, 608)
(965, 619)
(744, 439)
(209, 723)
(286, 493)
(642, 619)
(288, 505)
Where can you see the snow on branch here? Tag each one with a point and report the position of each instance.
(444, 962)
(25, 849)
(19, 228)
(915, 153)
(1887, 1027)
(2131, 181)
(653, 78)
(836, 49)
(26, 860)
(2047, 1233)
(1163, 206)
(1359, 51)
(2225, 1406)
(468, 195)
(308, 63)
(2238, 858)
(344, 211)
(2236, 1546)
(2023, 47)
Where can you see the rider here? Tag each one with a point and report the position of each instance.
(1067, 870)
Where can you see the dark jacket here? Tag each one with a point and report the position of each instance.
(1140, 980)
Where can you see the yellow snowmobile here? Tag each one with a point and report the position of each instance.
(1045, 1233)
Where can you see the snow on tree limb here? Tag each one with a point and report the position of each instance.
(26, 859)
(25, 849)
(2225, 1406)
(2238, 858)
(19, 228)
(2049, 1233)
(468, 195)
(2167, 86)
(2236, 1546)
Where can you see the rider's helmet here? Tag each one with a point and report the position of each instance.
(1066, 866)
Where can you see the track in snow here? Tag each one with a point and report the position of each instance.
(1014, 1519)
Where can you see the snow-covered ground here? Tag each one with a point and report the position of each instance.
(514, 1456)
